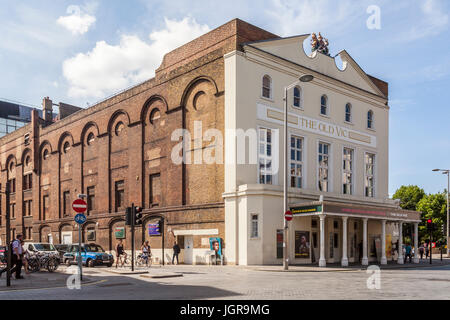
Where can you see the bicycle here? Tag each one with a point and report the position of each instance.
(42, 260)
(144, 259)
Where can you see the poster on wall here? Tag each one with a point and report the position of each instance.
(331, 249)
(302, 244)
(119, 232)
(279, 244)
(388, 246)
(153, 229)
(216, 245)
(377, 241)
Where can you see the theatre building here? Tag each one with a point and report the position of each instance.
(125, 150)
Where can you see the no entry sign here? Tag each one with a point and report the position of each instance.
(288, 215)
(79, 205)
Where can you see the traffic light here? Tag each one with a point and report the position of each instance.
(137, 216)
(430, 225)
(128, 216)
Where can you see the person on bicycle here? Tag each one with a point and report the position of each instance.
(146, 252)
(120, 252)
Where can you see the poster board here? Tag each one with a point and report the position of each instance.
(302, 245)
(119, 232)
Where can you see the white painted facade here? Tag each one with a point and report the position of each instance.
(284, 61)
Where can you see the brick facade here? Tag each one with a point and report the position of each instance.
(125, 143)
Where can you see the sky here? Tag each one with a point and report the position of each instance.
(80, 52)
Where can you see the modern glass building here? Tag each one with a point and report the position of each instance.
(14, 116)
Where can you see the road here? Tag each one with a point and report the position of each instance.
(239, 283)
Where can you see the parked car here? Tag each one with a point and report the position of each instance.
(43, 248)
(62, 249)
(91, 255)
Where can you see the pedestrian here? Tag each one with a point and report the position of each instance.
(176, 252)
(421, 251)
(16, 256)
(146, 252)
(25, 256)
(427, 251)
(408, 250)
(120, 253)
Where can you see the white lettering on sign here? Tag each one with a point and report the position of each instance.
(315, 126)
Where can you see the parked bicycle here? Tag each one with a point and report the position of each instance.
(39, 261)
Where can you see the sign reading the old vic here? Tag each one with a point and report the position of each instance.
(316, 126)
(306, 209)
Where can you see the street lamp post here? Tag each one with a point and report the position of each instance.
(305, 78)
(447, 172)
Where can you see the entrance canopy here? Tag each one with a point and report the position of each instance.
(370, 211)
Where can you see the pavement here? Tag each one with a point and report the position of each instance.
(179, 282)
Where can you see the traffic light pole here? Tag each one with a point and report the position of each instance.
(431, 246)
(162, 233)
(8, 236)
(133, 216)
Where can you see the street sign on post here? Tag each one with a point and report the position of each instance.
(80, 206)
(288, 215)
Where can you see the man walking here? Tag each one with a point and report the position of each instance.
(16, 256)
(408, 250)
(176, 252)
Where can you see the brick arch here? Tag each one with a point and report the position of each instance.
(41, 228)
(62, 138)
(87, 127)
(43, 145)
(192, 85)
(113, 118)
(146, 219)
(148, 103)
(111, 223)
(24, 154)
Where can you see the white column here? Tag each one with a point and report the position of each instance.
(383, 242)
(322, 260)
(365, 260)
(400, 243)
(416, 243)
(344, 261)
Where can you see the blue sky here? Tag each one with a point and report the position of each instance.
(82, 51)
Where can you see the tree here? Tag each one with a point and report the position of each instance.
(409, 196)
(434, 207)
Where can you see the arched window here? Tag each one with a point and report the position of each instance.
(90, 138)
(66, 147)
(348, 112)
(11, 166)
(370, 119)
(267, 87)
(297, 97)
(27, 161)
(324, 105)
(119, 127)
(46, 154)
(155, 116)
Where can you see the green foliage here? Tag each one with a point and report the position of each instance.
(409, 196)
(434, 207)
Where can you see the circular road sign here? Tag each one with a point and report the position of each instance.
(79, 205)
(288, 215)
(80, 218)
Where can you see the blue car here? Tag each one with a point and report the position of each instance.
(91, 255)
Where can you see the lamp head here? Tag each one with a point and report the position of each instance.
(306, 78)
(436, 170)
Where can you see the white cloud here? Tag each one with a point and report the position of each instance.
(434, 21)
(78, 21)
(108, 68)
(294, 17)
